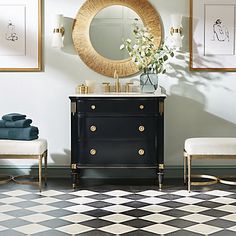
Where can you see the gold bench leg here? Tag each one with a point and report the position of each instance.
(40, 172)
(45, 167)
(185, 164)
(189, 173)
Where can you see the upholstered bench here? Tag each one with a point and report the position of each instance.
(17, 149)
(207, 148)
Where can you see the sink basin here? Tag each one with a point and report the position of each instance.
(123, 93)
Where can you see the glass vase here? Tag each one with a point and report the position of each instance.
(148, 82)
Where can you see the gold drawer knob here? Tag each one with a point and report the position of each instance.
(141, 107)
(141, 152)
(141, 128)
(93, 152)
(93, 128)
(93, 107)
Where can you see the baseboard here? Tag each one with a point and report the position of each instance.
(170, 172)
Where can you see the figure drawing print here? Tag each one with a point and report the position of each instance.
(11, 34)
(220, 32)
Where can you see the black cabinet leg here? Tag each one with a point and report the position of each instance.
(74, 175)
(160, 176)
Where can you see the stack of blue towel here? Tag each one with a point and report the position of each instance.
(16, 127)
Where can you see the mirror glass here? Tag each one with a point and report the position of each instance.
(109, 28)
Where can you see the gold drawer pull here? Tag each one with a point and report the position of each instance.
(141, 152)
(93, 107)
(93, 152)
(141, 128)
(141, 107)
(93, 128)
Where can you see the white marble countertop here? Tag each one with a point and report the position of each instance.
(113, 94)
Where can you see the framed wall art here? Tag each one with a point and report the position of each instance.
(20, 35)
(212, 35)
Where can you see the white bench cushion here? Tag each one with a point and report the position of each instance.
(18, 147)
(210, 146)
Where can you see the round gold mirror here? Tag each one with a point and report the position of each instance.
(100, 28)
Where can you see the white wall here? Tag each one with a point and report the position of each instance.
(199, 104)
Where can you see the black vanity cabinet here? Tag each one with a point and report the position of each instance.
(117, 132)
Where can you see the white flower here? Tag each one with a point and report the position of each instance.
(122, 46)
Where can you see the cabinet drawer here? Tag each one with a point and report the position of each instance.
(115, 153)
(118, 106)
(117, 128)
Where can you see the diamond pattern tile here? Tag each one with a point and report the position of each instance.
(116, 210)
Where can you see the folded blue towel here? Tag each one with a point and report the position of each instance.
(13, 117)
(28, 133)
(15, 124)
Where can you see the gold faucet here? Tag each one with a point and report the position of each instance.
(117, 83)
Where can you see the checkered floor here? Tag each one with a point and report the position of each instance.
(116, 211)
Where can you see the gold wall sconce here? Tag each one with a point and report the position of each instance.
(176, 32)
(58, 31)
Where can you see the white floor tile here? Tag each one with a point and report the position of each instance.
(31, 229)
(6, 208)
(157, 218)
(153, 200)
(4, 217)
(16, 193)
(117, 193)
(11, 200)
(185, 193)
(118, 218)
(79, 208)
(117, 200)
(161, 229)
(117, 229)
(198, 218)
(46, 200)
(188, 200)
(77, 218)
(117, 208)
(151, 193)
(155, 208)
(193, 208)
(37, 218)
(203, 229)
(223, 200)
(83, 193)
(81, 200)
(230, 217)
(227, 208)
(218, 193)
(51, 193)
(74, 229)
(233, 228)
(41, 208)
(2, 228)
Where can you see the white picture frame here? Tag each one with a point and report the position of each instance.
(20, 35)
(212, 35)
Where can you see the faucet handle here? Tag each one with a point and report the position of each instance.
(106, 87)
(127, 87)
